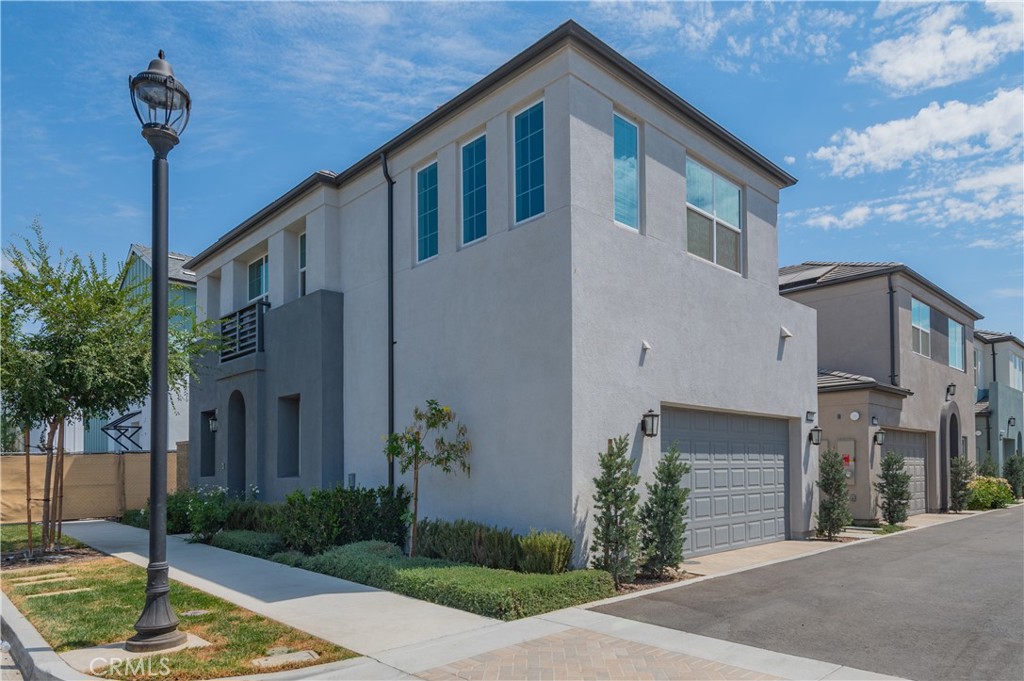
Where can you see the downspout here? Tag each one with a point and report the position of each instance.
(391, 310)
(988, 421)
(894, 378)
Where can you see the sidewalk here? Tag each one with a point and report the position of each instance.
(403, 638)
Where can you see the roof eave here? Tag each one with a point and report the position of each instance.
(891, 389)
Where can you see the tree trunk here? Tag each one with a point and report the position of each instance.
(47, 481)
(415, 500)
(28, 493)
(59, 484)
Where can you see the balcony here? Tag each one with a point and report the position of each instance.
(241, 332)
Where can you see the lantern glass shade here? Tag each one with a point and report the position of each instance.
(951, 390)
(159, 99)
(649, 423)
(815, 436)
(213, 424)
(880, 438)
(1012, 422)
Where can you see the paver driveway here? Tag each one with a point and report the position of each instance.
(941, 603)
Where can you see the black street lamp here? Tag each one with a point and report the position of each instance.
(166, 105)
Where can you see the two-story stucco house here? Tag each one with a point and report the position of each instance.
(560, 249)
(999, 375)
(892, 353)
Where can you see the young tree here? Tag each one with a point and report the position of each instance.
(893, 489)
(1013, 471)
(616, 540)
(663, 514)
(76, 345)
(987, 468)
(961, 472)
(411, 450)
(834, 506)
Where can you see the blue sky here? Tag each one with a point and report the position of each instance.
(903, 121)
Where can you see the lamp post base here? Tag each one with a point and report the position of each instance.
(157, 625)
(141, 643)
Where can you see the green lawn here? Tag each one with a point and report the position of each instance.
(107, 612)
(14, 537)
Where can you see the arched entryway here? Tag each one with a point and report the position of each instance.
(949, 440)
(236, 444)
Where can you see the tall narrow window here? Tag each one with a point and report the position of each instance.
(258, 279)
(956, 345)
(426, 213)
(921, 327)
(288, 436)
(713, 227)
(979, 371)
(529, 168)
(627, 173)
(474, 190)
(302, 264)
(1016, 372)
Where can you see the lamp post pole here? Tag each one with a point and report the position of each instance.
(168, 100)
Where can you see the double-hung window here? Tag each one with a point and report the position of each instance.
(956, 345)
(474, 190)
(921, 327)
(1016, 372)
(258, 279)
(302, 264)
(529, 162)
(627, 173)
(713, 226)
(426, 213)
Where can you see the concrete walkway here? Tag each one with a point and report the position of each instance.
(403, 638)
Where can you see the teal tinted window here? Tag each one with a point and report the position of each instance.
(426, 212)
(627, 174)
(956, 345)
(921, 327)
(474, 190)
(713, 223)
(258, 279)
(529, 162)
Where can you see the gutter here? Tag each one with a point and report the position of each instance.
(391, 310)
(894, 378)
(988, 420)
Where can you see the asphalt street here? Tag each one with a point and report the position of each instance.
(945, 602)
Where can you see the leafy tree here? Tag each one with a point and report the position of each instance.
(663, 514)
(894, 489)
(987, 468)
(834, 506)
(411, 449)
(1013, 471)
(961, 472)
(76, 345)
(616, 540)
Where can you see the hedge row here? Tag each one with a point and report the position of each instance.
(465, 541)
(259, 544)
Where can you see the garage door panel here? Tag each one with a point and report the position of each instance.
(913, 447)
(736, 479)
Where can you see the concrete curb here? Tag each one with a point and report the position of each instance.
(34, 657)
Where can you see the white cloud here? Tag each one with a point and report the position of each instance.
(1008, 292)
(789, 160)
(940, 49)
(852, 218)
(643, 17)
(952, 130)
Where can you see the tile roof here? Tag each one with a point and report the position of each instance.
(832, 380)
(996, 337)
(175, 263)
(981, 408)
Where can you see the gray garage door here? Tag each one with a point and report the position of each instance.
(913, 447)
(737, 477)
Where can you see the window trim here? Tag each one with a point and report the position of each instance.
(950, 325)
(715, 221)
(462, 192)
(926, 330)
(264, 277)
(629, 120)
(416, 211)
(301, 246)
(516, 114)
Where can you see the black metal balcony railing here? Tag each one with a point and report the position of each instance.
(241, 332)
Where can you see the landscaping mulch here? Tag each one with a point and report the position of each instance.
(18, 560)
(645, 583)
(837, 540)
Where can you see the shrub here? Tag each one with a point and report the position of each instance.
(466, 541)
(177, 511)
(259, 544)
(961, 471)
(207, 512)
(987, 468)
(493, 593)
(834, 506)
(290, 558)
(893, 489)
(616, 538)
(663, 514)
(329, 517)
(545, 552)
(1013, 471)
(249, 514)
(138, 517)
(988, 492)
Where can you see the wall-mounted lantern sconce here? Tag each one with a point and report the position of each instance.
(874, 421)
(1010, 423)
(649, 423)
(950, 391)
(880, 438)
(810, 416)
(815, 436)
(785, 333)
(213, 423)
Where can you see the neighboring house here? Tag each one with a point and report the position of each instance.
(129, 431)
(573, 246)
(999, 372)
(892, 349)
